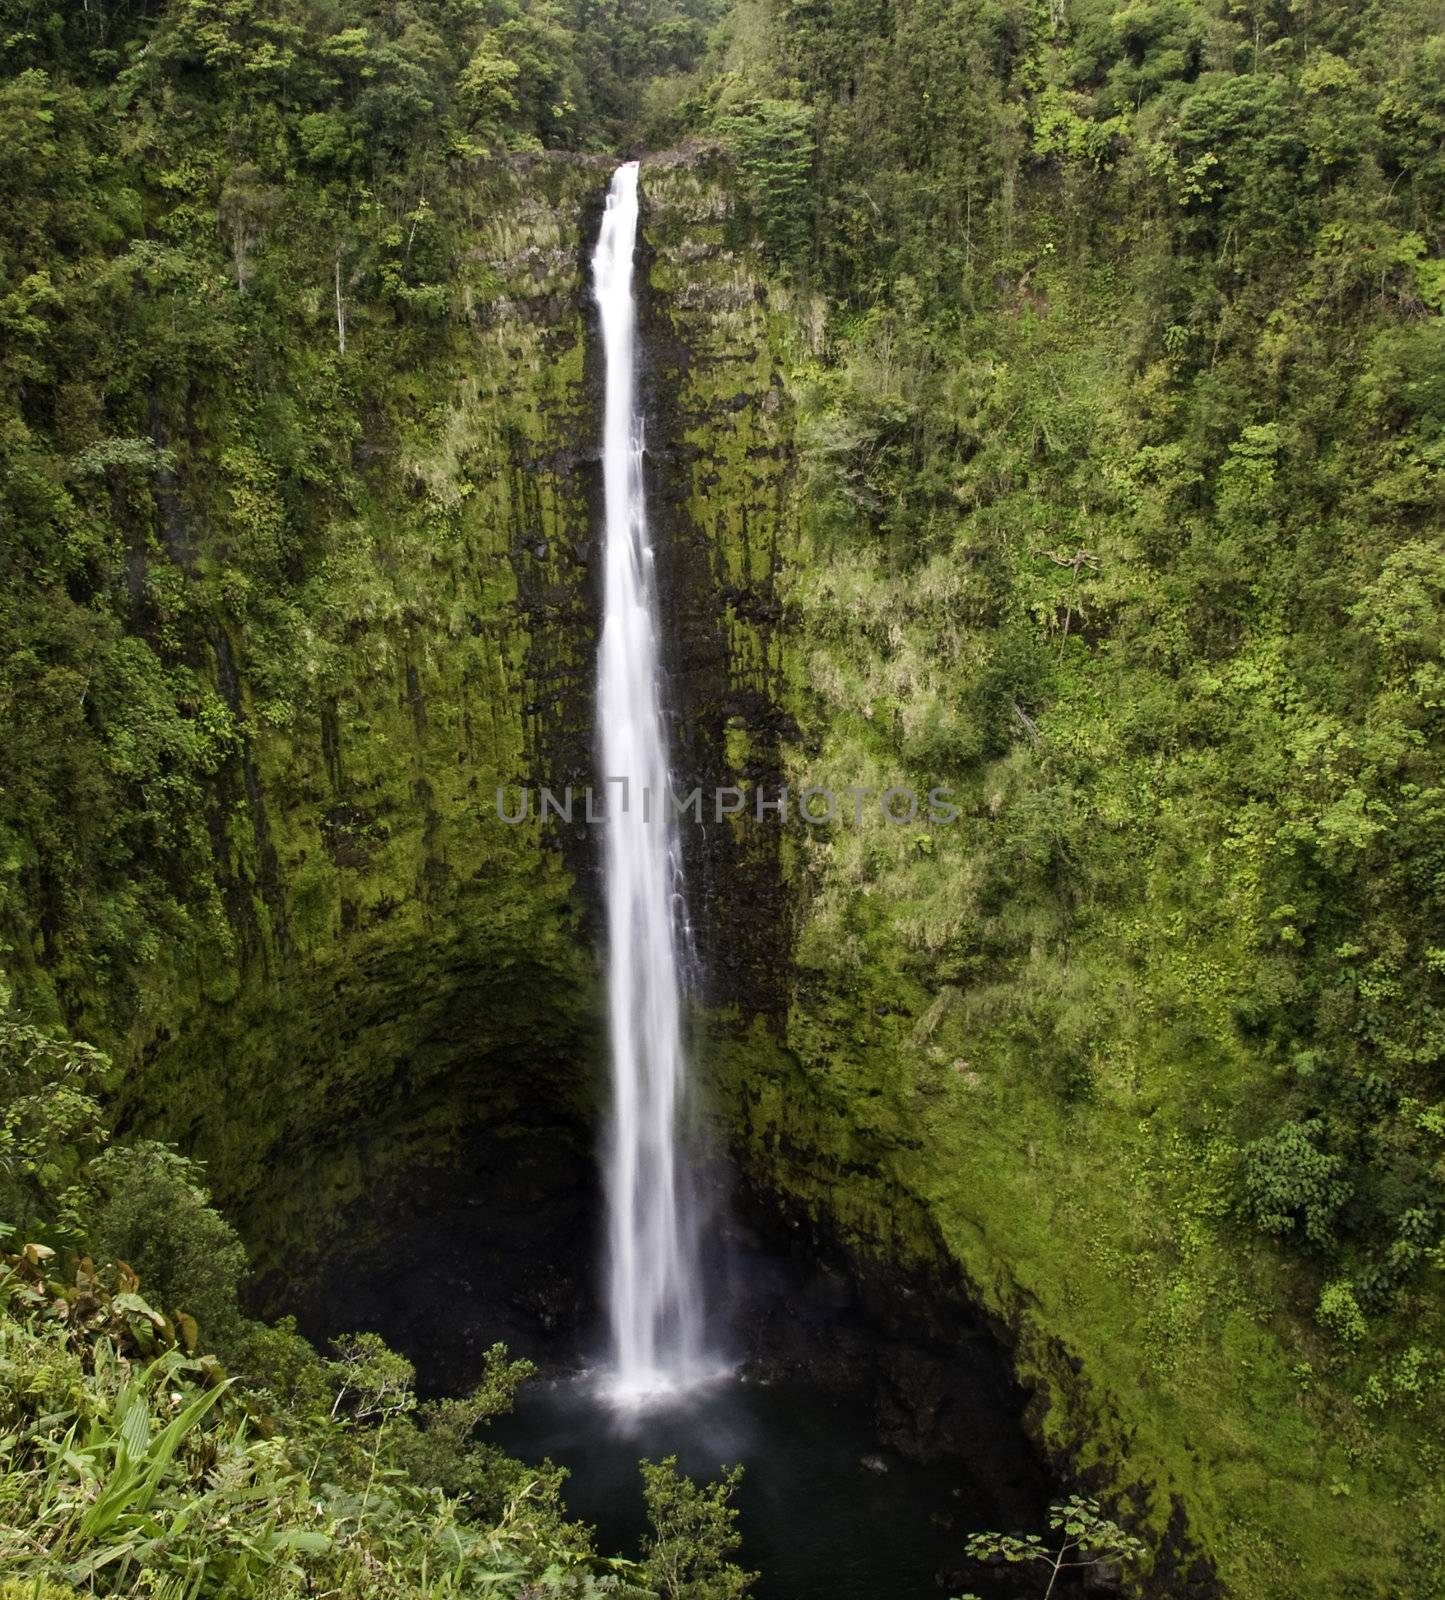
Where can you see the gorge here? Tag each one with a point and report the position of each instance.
(1042, 402)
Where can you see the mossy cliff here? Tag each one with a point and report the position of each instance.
(309, 570)
(360, 597)
(1118, 498)
(347, 959)
(863, 1082)
(992, 1064)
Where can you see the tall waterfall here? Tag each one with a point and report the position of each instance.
(653, 1289)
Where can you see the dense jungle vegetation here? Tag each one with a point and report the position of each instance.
(1118, 352)
(135, 1462)
(1124, 453)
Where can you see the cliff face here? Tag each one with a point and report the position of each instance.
(356, 964)
(313, 951)
(350, 968)
(400, 964)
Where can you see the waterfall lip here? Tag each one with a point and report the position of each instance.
(655, 1299)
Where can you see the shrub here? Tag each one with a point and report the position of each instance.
(153, 1213)
(1291, 1183)
(693, 1534)
(50, 1124)
(1339, 1311)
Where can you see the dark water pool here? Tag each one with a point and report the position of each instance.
(825, 1513)
(852, 1369)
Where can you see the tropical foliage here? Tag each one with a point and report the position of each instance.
(1117, 337)
(134, 1462)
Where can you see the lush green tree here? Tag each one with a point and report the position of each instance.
(1082, 1537)
(152, 1212)
(685, 1557)
(52, 1125)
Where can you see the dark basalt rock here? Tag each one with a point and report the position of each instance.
(445, 1263)
(907, 1346)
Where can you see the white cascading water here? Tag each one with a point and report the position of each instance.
(654, 1298)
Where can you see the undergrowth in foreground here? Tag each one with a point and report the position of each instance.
(136, 1458)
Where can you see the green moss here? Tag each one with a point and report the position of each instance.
(348, 960)
(249, 844)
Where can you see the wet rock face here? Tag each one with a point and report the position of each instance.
(718, 481)
(905, 1344)
(719, 486)
(502, 1246)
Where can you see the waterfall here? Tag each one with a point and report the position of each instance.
(654, 1299)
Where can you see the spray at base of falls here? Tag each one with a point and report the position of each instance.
(654, 1282)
